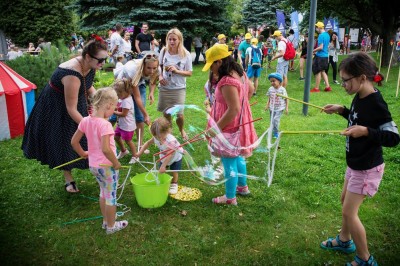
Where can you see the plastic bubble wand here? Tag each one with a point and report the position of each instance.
(292, 99)
(75, 160)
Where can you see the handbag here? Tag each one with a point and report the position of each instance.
(227, 144)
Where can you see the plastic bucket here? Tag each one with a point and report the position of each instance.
(148, 193)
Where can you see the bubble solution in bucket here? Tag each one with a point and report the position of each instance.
(148, 193)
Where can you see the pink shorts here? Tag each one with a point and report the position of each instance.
(364, 182)
(125, 135)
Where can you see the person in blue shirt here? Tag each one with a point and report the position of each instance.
(321, 59)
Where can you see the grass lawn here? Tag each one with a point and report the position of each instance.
(278, 225)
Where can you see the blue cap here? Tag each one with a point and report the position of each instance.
(275, 76)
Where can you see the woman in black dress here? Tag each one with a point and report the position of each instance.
(59, 109)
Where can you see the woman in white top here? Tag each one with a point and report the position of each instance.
(127, 47)
(175, 66)
(333, 49)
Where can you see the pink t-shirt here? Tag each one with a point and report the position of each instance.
(94, 128)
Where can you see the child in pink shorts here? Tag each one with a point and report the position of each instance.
(126, 124)
(370, 126)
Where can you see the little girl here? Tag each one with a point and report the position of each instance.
(276, 104)
(162, 137)
(126, 124)
(101, 150)
(370, 126)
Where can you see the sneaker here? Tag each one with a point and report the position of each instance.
(302, 78)
(242, 190)
(146, 151)
(336, 82)
(315, 90)
(122, 154)
(133, 160)
(118, 226)
(328, 89)
(104, 225)
(173, 188)
(224, 200)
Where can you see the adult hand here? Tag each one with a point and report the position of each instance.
(147, 120)
(163, 81)
(151, 98)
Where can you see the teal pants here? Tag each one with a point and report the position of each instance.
(233, 166)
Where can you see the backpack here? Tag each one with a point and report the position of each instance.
(290, 52)
(255, 58)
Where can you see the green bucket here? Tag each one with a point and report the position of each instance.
(148, 193)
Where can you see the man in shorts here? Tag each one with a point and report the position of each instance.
(283, 65)
(321, 59)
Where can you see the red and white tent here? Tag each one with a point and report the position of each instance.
(16, 102)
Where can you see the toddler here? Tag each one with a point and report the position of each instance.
(276, 104)
(126, 124)
(164, 140)
(101, 150)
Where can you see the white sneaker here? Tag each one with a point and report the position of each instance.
(133, 160)
(122, 154)
(146, 151)
(119, 225)
(173, 188)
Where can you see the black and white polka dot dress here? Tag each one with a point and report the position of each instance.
(49, 129)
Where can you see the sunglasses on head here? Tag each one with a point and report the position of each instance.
(99, 60)
(148, 56)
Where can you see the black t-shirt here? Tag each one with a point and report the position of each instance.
(144, 41)
(364, 153)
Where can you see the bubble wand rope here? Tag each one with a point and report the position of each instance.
(295, 100)
(313, 132)
(75, 160)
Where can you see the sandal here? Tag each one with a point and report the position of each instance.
(118, 226)
(370, 262)
(224, 200)
(73, 184)
(343, 246)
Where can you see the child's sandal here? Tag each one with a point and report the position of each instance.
(343, 246)
(370, 262)
(224, 200)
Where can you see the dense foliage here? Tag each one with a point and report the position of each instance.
(26, 21)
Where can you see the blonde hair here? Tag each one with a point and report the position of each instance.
(182, 52)
(104, 96)
(160, 126)
(122, 85)
(139, 74)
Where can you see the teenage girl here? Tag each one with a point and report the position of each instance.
(101, 150)
(370, 126)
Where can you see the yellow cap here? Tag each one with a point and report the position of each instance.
(277, 33)
(320, 25)
(248, 36)
(254, 41)
(221, 36)
(216, 52)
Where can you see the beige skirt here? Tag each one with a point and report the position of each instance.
(169, 98)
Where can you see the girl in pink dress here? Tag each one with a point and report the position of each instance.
(231, 109)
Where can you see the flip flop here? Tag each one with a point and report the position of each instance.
(73, 184)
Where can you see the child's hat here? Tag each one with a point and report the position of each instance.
(277, 33)
(275, 75)
(216, 52)
(221, 36)
(254, 41)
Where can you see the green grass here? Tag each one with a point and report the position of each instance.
(278, 225)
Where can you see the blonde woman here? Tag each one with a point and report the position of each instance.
(139, 71)
(175, 66)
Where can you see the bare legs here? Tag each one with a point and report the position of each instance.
(180, 122)
(68, 179)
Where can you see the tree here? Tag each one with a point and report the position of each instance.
(190, 16)
(26, 21)
(381, 17)
(260, 12)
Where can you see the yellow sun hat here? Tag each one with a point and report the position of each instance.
(248, 36)
(221, 36)
(254, 41)
(216, 52)
(320, 25)
(277, 33)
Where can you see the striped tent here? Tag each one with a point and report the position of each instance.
(17, 98)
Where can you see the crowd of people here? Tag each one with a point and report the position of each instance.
(81, 120)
